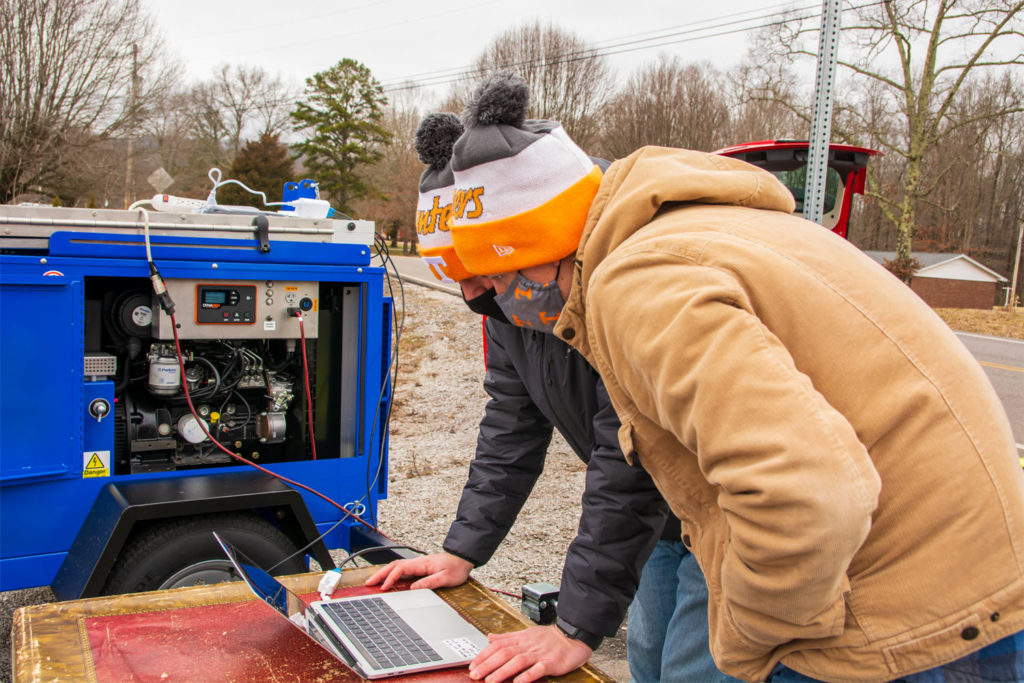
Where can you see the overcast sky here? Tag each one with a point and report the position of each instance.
(411, 39)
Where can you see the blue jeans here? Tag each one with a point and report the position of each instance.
(667, 632)
(1002, 661)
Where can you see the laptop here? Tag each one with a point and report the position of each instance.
(377, 636)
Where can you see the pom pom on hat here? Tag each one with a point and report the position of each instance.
(523, 188)
(502, 98)
(435, 137)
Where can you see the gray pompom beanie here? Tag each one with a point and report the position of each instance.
(522, 187)
(435, 137)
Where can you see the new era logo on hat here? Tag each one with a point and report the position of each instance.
(503, 251)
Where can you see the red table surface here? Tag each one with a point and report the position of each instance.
(217, 634)
(239, 641)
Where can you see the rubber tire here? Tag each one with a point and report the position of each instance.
(178, 546)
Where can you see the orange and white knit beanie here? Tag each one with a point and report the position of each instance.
(434, 139)
(522, 187)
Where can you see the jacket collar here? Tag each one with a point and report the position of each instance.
(635, 189)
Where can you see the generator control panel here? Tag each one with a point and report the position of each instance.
(210, 309)
(220, 305)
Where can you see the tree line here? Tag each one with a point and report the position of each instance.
(934, 85)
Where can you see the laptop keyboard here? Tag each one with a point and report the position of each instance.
(383, 636)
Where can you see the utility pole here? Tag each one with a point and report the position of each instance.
(128, 189)
(821, 125)
(1016, 270)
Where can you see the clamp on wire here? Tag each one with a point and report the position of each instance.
(355, 507)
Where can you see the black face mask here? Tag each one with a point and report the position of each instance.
(485, 305)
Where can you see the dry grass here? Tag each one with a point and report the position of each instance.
(998, 322)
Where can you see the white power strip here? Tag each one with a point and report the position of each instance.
(168, 202)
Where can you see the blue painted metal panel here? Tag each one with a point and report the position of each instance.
(31, 570)
(97, 434)
(102, 245)
(40, 377)
(40, 519)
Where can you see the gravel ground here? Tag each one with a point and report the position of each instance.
(439, 399)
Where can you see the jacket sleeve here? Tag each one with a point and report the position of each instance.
(795, 485)
(622, 518)
(511, 446)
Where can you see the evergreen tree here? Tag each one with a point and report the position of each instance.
(341, 116)
(263, 165)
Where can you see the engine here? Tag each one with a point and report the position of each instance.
(248, 394)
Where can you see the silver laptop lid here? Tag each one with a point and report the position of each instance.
(266, 587)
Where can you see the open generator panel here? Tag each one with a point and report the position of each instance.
(281, 340)
(241, 349)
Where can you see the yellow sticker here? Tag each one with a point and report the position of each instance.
(95, 464)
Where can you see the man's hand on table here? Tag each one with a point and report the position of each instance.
(532, 653)
(439, 570)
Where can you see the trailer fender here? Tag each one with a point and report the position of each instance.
(121, 508)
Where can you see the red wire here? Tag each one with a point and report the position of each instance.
(484, 334)
(236, 456)
(309, 398)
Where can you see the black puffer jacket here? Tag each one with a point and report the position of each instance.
(535, 380)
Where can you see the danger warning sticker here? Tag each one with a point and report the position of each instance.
(95, 464)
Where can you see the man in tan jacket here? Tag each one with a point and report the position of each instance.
(845, 475)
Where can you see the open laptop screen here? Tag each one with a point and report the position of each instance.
(264, 585)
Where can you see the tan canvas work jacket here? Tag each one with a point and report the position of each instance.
(843, 470)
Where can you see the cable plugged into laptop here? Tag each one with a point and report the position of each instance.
(540, 601)
(328, 583)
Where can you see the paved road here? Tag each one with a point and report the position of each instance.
(414, 270)
(1003, 362)
(1002, 359)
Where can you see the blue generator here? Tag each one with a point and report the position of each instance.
(129, 430)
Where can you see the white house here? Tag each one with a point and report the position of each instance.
(950, 280)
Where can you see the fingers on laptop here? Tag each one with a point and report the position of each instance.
(499, 662)
(388, 574)
(394, 571)
(531, 653)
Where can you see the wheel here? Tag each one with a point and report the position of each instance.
(183, 552)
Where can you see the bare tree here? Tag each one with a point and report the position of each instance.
(251, 103)
(666, 103)
(763, 94)
(1004, 209)
(179, 143)
(916, 58)
(397, 173)
(569, 81)
(66, 74)
(976, 205)
(207, 124)
(239, 103)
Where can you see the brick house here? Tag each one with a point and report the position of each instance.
(950, 280)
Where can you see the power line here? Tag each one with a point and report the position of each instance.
(449, 76)
(773, 10)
